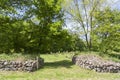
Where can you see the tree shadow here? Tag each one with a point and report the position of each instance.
(115, 55)
(58, 64)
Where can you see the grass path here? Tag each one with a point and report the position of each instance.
(58, 67)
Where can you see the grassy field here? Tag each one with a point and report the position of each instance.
(58, 67)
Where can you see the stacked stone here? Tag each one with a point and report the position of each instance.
(96, 63)
(30, 65)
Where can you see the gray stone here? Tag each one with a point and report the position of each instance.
(30, 65)
(96, 63)
(5, 63)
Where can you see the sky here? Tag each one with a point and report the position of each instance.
(72, 26)
(114, 3)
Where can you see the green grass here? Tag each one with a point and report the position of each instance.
(16, 56)
(59, 67)
(113, 56)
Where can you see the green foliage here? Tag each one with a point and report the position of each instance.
(37, 29)
(107, 30)
(81, 13)
(36, 26)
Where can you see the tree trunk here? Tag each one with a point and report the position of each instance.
(87, 42)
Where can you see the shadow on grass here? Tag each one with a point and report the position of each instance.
(57, 64)
(115, 55)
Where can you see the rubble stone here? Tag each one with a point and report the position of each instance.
(30, 65)
(96, 63)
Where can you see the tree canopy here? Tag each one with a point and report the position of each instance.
(38, 26)
(34, 26)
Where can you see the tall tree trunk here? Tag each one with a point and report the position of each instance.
(87, 42)
(91, 33)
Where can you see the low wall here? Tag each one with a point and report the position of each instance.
(30, 65)
(96, 63)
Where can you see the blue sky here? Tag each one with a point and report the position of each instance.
(114, 3)
(72, 26)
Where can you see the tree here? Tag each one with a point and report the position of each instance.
(49, 22)
(38, 28)
(35, 26)
(82, 12)
(108, 29)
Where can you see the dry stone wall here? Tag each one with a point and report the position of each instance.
(30, 65)
(96, 63)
